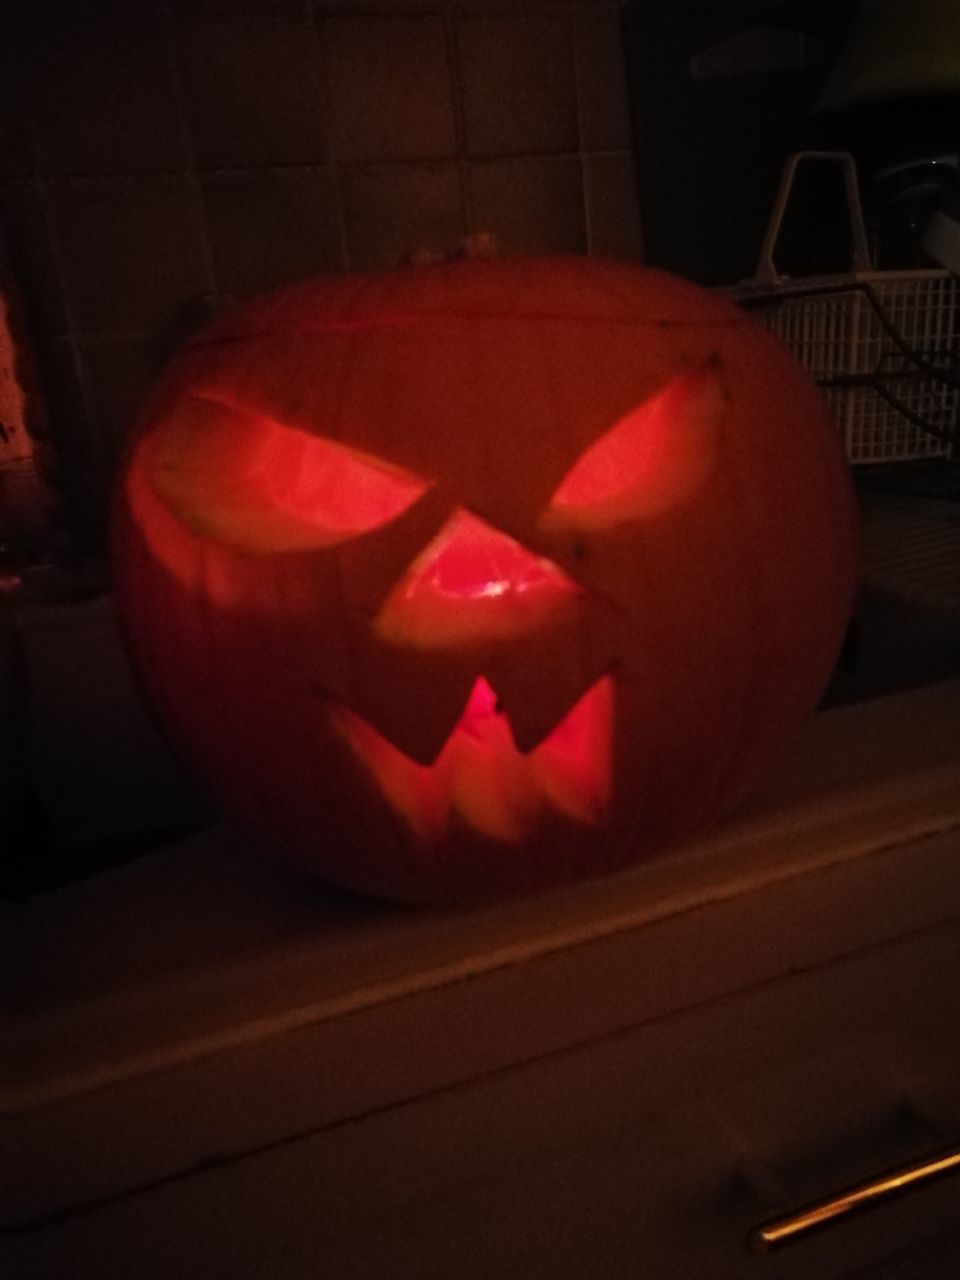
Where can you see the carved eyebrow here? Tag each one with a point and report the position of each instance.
(653, 457)
(246, 479)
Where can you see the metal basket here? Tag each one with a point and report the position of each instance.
(883, 345)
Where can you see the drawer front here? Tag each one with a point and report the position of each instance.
(653, 1151)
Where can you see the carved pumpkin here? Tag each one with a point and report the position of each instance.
(480, 577)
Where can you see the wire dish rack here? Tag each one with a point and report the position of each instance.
(883, 345)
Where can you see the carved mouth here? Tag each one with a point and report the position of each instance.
(482, 780)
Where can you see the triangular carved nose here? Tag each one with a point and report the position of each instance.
(473, 583)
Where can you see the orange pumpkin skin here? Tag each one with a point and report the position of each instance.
(592, 504)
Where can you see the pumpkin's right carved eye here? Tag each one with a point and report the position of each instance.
(257, 485)
(652, 458)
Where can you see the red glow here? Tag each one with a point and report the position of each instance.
(482, 779)
(343, 490)
(472, 582)
(657, 454)
(259, 486)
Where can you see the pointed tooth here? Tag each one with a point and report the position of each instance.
(573, 766)
(537, 695)
(407, 700)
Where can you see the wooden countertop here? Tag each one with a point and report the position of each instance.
(244, 1006)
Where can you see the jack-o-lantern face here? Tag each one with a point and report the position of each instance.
(482, 576)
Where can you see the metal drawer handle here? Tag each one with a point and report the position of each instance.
(871, 1193)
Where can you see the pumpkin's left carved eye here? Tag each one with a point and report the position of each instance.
(257, 485)
(341, 490)
(652, 458)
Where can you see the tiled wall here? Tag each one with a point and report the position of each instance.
(159, 157)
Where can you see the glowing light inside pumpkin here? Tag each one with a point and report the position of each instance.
(481, 779)
(654, 457)
(259, 486)
(344, 490)
(472, 582)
